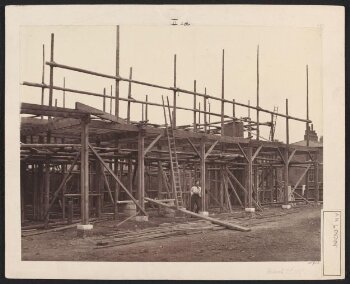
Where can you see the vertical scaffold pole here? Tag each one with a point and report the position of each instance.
(117, 51)
(195, 106)
(222, 92)
(307, 106)
(205, 110)
(84, 172)
(286, 157)
(174, 107)
(129, 97)
(51, 69)
(257, 97)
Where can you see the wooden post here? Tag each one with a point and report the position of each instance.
(222, 92)
(222, 188)
(104, 99)
(216, 183)
(233, 108)
(307, 106)
(286, 177)
(23, 182)
(286, 157)
(272, 129)
(70, 211)
(209, 117)
(202, 149)
(116, 189)
(270, 182)
(110, 101)
(199, 113)
(249, 120)
(195, 106)
(84, 172)
(41, 189)
(116, 185)
(64, 170)
(35, 192)
(257, 97)
(250, 177)
(146, 109)
(129, 97)
(51, 69)
(47, 187)
(160, 179)
(116, 111)
(174, 103)
(141, 168)
(64, 92)
(99, 186)
(316, 178)
(205, 111)
(43, 78)
(256, 177)
(130, 175)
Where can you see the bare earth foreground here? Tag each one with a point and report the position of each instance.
(276, 235)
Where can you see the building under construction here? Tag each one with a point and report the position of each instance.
(83, 163)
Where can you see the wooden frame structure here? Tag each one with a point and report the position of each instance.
(92, 159)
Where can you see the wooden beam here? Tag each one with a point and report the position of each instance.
(210, 149)
(152, 144)
(236, 180)
(291, 156)
(227, 194)
(242, 151)
(195, 106)
(35, 109)
(117, 62)
(84, 172)
(316, 177)
(286, 177)
(193, 147)
(235, 192)
(129, 97)
(202, 164)
(281, 155)
(300, 179)
(174, 96)
(117, 179)
(108, 186)
(99, 113)
(250, 177)
(222, 92)
(257, 152)
(141, 169)
(227, 225)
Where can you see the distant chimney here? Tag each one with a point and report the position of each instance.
(312, 134)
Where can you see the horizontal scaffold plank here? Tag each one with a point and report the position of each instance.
(44, 110)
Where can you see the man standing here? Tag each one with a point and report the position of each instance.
(196, 194)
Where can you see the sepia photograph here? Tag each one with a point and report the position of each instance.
(174, 142)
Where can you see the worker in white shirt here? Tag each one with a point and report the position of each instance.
(196, 194)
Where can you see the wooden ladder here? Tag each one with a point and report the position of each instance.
(174, 165)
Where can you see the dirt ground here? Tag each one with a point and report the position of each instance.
(276, 235)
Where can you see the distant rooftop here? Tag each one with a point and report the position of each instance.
(311, 143)
(313, 139)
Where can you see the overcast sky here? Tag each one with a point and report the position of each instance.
(284, 53)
